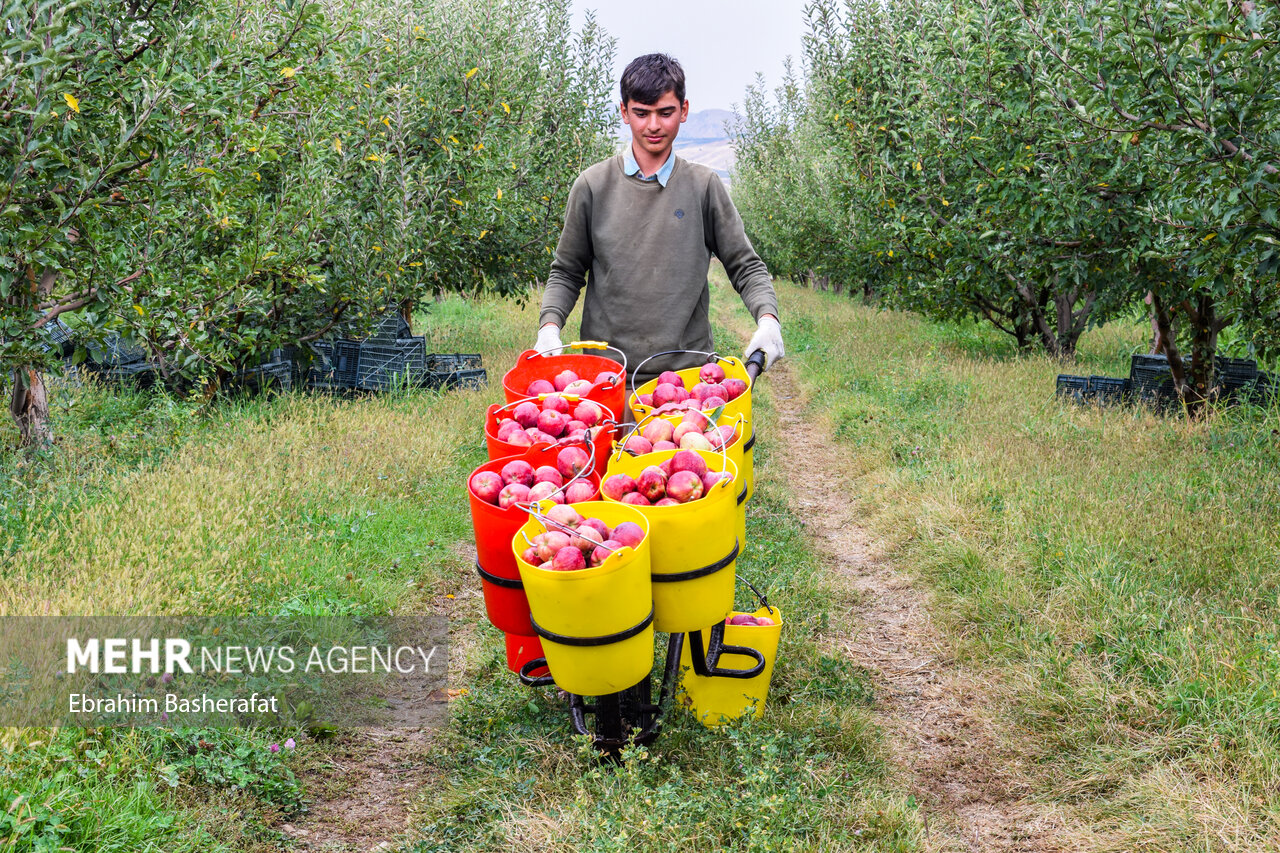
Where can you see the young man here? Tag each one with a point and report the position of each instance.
(639, 232)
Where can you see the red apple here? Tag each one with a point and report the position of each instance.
(629, 533)
(486, 485)
(684, 486)
(671, 377)
(550, 542)
(547, 474)
(513, 493)
(518, 471)
(734, 388)
(695, 440)
(526, 413)
(711, 373)
(519, 438)
(652, 483)
(565, 515)
(571, 461)
(604, 550)
(687, 460)
(587, 412)
(578, 491)
(618, 485)
(710, 404)
(539, 386)
(556, 403)
(658, 430)
(597, 525)
(639, 445)
(635, 499)
(544, 491)
(563, 378)
(568, 559)
(666, 502)
(665, 445)
(551, 422)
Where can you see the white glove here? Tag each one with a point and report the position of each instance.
(549, 340)
(768, 337)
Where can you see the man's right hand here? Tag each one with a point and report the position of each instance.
(549, 340)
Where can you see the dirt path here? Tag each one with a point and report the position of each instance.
(360, 790)
(935, 716)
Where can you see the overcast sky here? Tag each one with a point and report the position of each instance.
(720, 43)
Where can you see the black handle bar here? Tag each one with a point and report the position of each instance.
(755, 364)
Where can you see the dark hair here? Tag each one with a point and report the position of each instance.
(651, 76)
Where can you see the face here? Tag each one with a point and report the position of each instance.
(654, 126)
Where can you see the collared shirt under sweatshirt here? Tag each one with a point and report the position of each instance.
(643, 250)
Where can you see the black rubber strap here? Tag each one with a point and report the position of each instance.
(699, 573)
(592, 641)
(742, 495)
(751, 442)
(526, 675)
(497, 581)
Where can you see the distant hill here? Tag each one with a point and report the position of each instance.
(702, 139)
(707, 125)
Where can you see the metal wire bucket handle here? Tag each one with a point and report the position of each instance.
(622, 448)
(764, 602)
(711, 357)
(571, 398)
(585, 345)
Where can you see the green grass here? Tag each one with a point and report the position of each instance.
(253, 510)
(1117, 569)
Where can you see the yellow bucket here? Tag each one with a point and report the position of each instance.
(694, 549)
(715, 701)
(596, 624)
(733, 368)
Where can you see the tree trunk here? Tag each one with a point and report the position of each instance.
(29, 406)
(1193, 382)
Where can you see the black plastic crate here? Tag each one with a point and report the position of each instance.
(449, 362)
(61, 338)
(277, 375)
(1245, 369)
(415, 353)
(391, 327)
(1072, 387)
(344, 364)
(471, 378)
(1107, 389)
(382, 366)
(139, 374)
(1265, 389)
(114, 352)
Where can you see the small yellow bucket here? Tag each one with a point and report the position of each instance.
(596, 624)
(695, 546)
(715, 701)
(733, 368)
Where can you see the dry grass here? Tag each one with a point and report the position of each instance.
(1118, 569)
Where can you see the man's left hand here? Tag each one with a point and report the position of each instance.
(768, 337)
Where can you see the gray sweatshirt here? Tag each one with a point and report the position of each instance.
(643, 251)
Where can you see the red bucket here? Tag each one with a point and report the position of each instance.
(494, 527)
(602, 443)
(531, 366)
(521, 650)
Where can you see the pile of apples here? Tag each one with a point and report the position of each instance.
(568, 382)
(557, 417)
(748, 619)
(682, 479)
(694, 432)
(588, 545)
(520, 482)
(712, 391)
